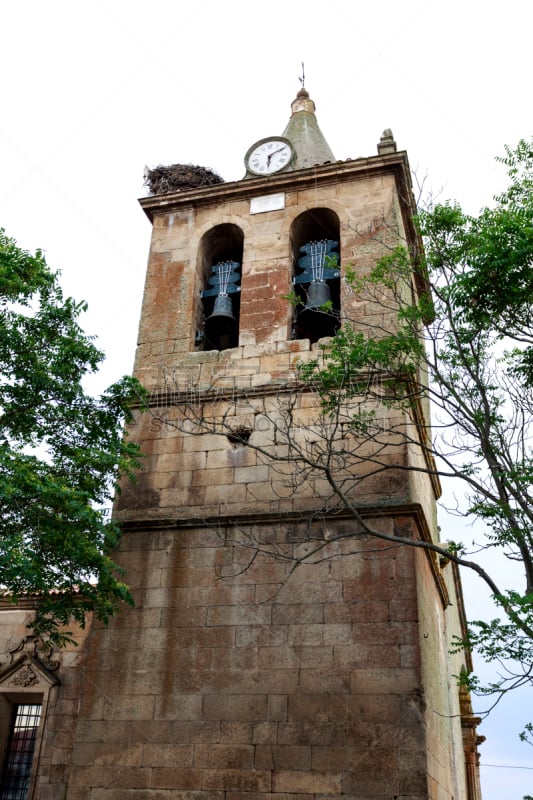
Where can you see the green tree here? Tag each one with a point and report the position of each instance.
(61, 451)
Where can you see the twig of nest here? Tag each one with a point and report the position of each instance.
(177, 177)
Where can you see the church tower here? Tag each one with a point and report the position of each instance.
(277, 651)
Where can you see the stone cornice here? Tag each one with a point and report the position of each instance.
(286, 181)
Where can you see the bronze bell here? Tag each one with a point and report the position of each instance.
(312, 321)
(221, 327)
(318, 295)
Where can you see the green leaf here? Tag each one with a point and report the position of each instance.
(62, 451)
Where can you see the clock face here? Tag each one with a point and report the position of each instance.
(268, 156)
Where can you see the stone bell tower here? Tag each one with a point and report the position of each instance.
(238, 676)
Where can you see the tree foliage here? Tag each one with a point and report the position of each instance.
(61, 451)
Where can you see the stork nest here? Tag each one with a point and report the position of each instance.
(177, 177)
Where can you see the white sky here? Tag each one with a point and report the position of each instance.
(91, 92)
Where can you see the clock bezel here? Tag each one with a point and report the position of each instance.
(265, 140)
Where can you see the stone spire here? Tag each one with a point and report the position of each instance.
(306, 137)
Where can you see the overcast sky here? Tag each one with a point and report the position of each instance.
(93, 92)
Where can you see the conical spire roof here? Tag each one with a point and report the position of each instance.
(304, 134)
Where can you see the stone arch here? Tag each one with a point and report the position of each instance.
(316, 255)
(219, 263)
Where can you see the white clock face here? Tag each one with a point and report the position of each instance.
(269, 156)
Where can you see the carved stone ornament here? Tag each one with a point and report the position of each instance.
(34, 646)
(24, 677)
(29, 664)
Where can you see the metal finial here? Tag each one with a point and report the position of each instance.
(302, 79)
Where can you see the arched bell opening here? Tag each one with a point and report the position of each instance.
(221, 252)
(315, 244)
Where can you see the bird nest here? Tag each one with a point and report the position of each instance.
(177, 177)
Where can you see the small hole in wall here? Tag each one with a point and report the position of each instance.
(240, 436)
